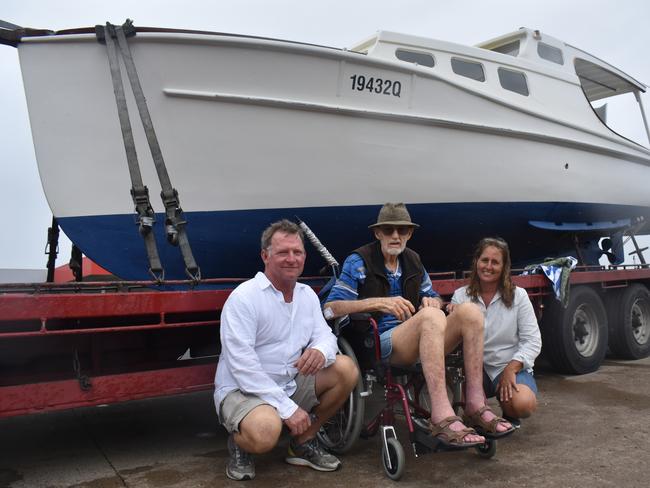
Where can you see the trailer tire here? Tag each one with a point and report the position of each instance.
(629, 322)
(575, 338)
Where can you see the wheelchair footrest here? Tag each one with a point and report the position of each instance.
(425, 442)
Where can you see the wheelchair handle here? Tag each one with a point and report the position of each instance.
(322, 250)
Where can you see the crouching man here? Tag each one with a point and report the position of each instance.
(278, 364)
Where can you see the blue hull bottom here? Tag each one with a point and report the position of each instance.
(226, 244)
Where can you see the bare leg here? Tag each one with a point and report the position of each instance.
(260, 430)
(423, 336)
(522, 404)
(333, 387)
(465, 324)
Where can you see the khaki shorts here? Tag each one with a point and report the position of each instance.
(236, 405)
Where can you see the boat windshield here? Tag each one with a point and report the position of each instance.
(614, 99)
(510, 48)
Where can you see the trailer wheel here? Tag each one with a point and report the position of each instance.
(629, 323)
(575, 338)
(342, 430)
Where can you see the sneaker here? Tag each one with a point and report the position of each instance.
(312, 454)
(240, 465)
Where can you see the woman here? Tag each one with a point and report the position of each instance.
(512, 337)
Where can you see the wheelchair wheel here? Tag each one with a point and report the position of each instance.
(487, 450)
(393, 459)
(342, 430)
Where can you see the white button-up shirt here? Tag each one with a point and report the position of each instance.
(510, 333)
(262, 337)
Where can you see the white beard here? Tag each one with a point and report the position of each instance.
(396, 252)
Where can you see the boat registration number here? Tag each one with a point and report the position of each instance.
(379, 86)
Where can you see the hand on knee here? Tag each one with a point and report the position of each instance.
(520, 407)
(434, 315)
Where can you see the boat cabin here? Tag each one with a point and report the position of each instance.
(524, 68)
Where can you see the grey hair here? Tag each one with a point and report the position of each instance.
(283, 225)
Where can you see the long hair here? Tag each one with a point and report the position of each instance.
(505, 286)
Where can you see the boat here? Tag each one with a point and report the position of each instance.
(502, 138)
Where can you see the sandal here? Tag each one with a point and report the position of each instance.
(449, 437)
(485, 428)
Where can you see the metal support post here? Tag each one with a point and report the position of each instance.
(637, 250)
(76, 263)
(637, 95)
(52, 248)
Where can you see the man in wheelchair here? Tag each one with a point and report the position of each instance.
(387, 280)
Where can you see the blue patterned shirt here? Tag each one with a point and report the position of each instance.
(353, 274)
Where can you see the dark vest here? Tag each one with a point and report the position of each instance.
(376, 283)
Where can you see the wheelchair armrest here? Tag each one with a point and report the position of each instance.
(362, 333)
(361, 316)
(340, 323)
(373, 327)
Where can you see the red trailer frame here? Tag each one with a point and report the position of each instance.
(66, 346)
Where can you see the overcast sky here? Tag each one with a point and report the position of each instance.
(615, 31)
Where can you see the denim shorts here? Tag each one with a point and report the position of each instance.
(524, 377)
(386, 343)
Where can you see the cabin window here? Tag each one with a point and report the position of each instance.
(423, 59)
(468, 69)
(550, 53)
(514, 81)
(511, 49)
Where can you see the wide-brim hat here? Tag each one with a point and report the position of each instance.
(394, 214)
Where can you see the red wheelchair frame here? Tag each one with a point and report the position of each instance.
(404, 389)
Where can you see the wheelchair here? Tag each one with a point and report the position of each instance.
(405, 393)
(404, 390)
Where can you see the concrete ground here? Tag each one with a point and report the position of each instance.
(591, 430)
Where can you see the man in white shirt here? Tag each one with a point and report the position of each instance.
(278, 364)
